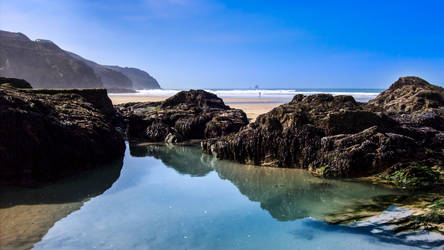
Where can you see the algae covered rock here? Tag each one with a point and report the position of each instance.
(414, 176)
(337, 136)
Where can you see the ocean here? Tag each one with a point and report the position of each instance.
(361, 95)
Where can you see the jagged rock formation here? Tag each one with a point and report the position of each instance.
(336, 136)
(48, 134)
(139, 78)
(45, 65)
(412, 102)
(194, 114)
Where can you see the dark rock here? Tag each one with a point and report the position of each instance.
(173, 137)
(15, 83)
(48, 134)
(412, 101)
(337, 136)
(409, 94)
(193, 114)
(413, 175)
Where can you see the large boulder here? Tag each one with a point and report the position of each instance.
(14, 83)
(45, 136)
(193, 114)
(412, 101)
(337, 136)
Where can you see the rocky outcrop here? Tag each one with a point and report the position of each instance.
(336, 136)
(48, 134)
(413, 102)
(194, 114)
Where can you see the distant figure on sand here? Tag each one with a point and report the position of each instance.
(260, 94)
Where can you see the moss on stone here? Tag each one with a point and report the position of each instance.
(323, 171)
(414, 176)
(438, 204)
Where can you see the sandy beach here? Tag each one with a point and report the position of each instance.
(252, 106)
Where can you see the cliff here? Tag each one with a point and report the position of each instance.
(139, 78)
(110, 78)
(45, 65)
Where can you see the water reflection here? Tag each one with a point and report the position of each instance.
(291, 195)
(184, 159)
(171, 197)
(287, 194)
(26, 214)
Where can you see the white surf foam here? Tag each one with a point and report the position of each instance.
(274, 93)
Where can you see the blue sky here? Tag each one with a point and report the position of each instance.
(238, 44)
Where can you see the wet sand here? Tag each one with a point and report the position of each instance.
(252, 106)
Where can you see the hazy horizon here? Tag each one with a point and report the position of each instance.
(239, 44)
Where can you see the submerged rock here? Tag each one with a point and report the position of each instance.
(194, 114)
(48, 134)
(337, 136)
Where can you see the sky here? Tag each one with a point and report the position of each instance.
(240, 44)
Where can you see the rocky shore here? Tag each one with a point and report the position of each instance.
(47, 134)
(335, 136)
(188, 115)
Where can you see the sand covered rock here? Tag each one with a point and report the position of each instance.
(193, 114)
(337, 136)
(46, 135)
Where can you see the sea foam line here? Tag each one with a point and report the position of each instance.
(275, 93)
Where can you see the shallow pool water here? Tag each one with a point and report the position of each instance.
(173, 197)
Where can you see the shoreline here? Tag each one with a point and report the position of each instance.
(252, 106)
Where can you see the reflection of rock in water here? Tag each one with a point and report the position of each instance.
(290, 194)
(184, 159)
(27, 214)
(287, 194)
(375, 231)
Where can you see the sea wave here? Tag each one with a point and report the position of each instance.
(271, 93)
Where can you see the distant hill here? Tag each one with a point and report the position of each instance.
(45, 65)
(140, 78)
(110, 78)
